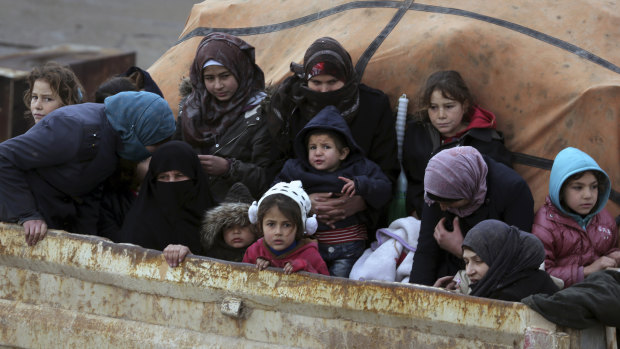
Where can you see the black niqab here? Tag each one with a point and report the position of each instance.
(170, 212)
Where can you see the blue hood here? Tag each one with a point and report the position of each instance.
(568, 162)
(141, 119)
(328, 118)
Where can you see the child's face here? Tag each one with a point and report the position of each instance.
(475, 268)
(580, 195)
(220, 82)
(323, 154)
(446, 114)
(278, 231)
(44, 100)
(239, 236)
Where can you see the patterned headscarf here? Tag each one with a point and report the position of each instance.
(204, 117)
(325, 55)
(457, 173)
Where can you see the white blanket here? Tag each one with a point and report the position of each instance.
(379, 262)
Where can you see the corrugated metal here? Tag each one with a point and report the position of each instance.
(81, 291)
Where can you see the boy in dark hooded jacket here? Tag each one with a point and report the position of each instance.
(328, 160)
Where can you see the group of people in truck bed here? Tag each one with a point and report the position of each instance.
(299, 176)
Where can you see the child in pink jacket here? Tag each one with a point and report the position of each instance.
(579, 235)
(282, 216)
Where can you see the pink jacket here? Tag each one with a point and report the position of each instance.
(567, 247)
(304, 257)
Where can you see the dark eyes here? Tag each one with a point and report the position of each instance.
(221, 76)
(46, 99)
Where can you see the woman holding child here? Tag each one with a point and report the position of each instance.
(328, 77)
(222, 119)
(329, 160)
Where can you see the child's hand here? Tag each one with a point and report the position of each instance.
(450, 241)
(616, 256)
(261, 263)
(288, 268)
(599, 264)
(349, 187)
(175, 254)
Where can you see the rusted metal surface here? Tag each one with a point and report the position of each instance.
(81, 291)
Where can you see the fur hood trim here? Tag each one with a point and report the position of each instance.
(221, 217)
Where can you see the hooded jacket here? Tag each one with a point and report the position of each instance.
(571, 241)
(55, 170)
(422, 141)
(212, 232)
(370, 182)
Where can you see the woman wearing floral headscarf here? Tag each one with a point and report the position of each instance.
(462, 188)
(222, 118)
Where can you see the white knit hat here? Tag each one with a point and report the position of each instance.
(295, 191)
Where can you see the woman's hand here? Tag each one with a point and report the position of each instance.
(330, 210)
(446, 282)
(35, 231)
(214, 165)
(175, 254)
(261, 263)
(450, 241)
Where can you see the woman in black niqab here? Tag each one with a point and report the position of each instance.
(169, 212)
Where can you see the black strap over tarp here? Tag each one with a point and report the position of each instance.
(545, 164)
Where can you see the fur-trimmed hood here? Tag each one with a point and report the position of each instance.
(217, 219)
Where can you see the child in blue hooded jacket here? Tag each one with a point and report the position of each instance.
(579, 235)
(328, 160)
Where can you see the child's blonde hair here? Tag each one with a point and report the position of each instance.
(61, 79)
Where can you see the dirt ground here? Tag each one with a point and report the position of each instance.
(148, 27)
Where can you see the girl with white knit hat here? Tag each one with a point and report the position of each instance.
(282, 217)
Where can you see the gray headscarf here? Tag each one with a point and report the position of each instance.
(506, 250)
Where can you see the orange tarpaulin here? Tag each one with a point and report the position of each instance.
(549, 70)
